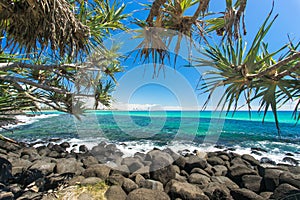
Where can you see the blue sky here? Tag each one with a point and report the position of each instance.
(159, 90)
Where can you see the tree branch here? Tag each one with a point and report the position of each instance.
(26, 81)
(288, 71)
(7, 66)
(275, 66)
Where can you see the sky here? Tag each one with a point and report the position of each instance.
(175, 89)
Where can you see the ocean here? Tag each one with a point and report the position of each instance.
(187, 131)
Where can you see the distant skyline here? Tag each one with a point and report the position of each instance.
(157, 93)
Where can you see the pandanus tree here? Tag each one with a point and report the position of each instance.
(47, 48)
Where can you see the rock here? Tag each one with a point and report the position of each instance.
(132, 163)
(256, 153)
(31, 195)
(159, 159)
(176, 168)
(290, 178)
(290, 160)
(45, 167)
(85, 196)
(219, 170)
(224, 181)
(70, 165)
(43, 151)
(115, 193)
(58, 148)
(252, 182)
(151, 184)
(116, 179)
(83, 148)
(283, 190)
(138, 179)
(271, 177)
(267, 161)
(180, 178)
(30, 153)
(199, 179)
(182, 190)
(294, 169)
(244, 194)
(163, 175)
(194, 162)
(237, 171)
(123, 170)
(201, 154)
(200, 171)
(8, 146)
(215, 161)
(180, 162)
(217, 191)
(266, 195)
(65, 145)
(5, 170)
(258, 149)
(238, 161)
(91, 181)
(147, 194)
(89, 161)
(76, 180)
(29, 176)
(129, 185)
(99, 170)
(6, 195)
(250, 159)
(20, 165)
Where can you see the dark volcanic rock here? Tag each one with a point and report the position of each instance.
(185, 191)
(267, 161)
(83, 148)
(290, 160)
(258, 149)
(194, 162)
(65, 145)
(284, 190)
(5, 171)
(245, 194)
(115, 192)
(147, 194)
(163, 175)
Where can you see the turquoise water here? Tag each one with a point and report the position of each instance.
(162, 128)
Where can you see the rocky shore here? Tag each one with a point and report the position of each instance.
(43, 172)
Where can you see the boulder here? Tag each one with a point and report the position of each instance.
(184, 190)
(215, 161)
(159, 159)
(115, 179)
(8, 146)
(223, 180)
(180, 162)
(200, 171)
(219, 170)
(19, 165)
(216, 191)
(65, 145)
(252, 182)
(284, 190)
(43, 151)
(132, 163)
(163, 175)
(99, 170)
(121, 169)
(5, 170)
(6, 195)
(194, 162)
(265, 160)
(83, 148)
(44, 166)
(151, 184)
(250, 159)
(30, 153)
(89, 161)
(291, 161)
(115, 193)
(70, 165)
(290, 178)
(244, 194)
(271, 178)
(147, 194)
(138, 179)
(237, 171)
(266, 195)
(91, 181)
(199, 179)
(129, 185)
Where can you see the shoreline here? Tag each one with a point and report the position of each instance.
(45, 171)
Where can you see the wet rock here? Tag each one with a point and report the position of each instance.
(194, 162)
(199, 179)
(163, 175)
(258, 149)
(99, 170)
(65, 145)
(115, 192)
(266, 160)
(83, 148)
(256, 153)
(245, 194)
(283, 190)
(252, 182)
(147, 194)
(183, 190)
(5, 171)
(290, 160)
(129, 185)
